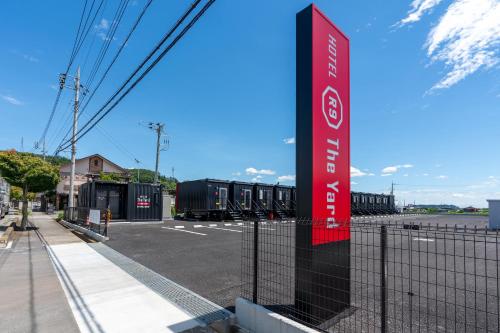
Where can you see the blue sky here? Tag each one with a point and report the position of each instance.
(425, 91)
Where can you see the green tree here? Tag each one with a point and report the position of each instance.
(148, 176)
(16, 193)
(30, 173)
(112, 177)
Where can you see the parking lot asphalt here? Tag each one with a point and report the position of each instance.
(203, 256)
(206, 256)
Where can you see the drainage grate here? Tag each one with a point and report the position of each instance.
(199, 307)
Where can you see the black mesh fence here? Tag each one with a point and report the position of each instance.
(389, 277)
(81, 217)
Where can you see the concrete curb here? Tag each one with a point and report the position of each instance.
(4, 239)
(89, 233)
(256, 318)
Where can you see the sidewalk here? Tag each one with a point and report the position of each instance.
(71, 287)
(31, 297)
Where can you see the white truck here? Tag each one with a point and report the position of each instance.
(4, 197)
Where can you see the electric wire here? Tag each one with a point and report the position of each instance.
(107, 39)
(86, 101)
(74, 53)
(84, 130)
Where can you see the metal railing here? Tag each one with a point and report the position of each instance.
(398, 277)
(81, 217)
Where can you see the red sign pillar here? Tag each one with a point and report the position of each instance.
(322, 287)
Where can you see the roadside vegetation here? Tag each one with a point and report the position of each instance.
(481, 212)
(30, 173)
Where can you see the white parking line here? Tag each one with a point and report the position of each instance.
(179, 227)
(224, 229)
(191, 232)
(212, 225)
(423, 239)
(197, 226)
(239, 223)
(251, 227)
(228, 224)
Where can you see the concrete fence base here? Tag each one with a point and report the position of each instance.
(86, 232)
(256, 318)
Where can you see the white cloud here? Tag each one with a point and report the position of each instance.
(442, 177)
(289, 141)
(395, 168)
(418, 8)
(390, 169)
(11, 100)
(405, 175)
(354, 183)
(237, 173)
(257, 178)
(102, 30)
(286, 178)
(254, 171)
(386, 174)
(425, 174)
(465, 39)
(30, 58)
(103, 25)
(355, 172)
(25, 56)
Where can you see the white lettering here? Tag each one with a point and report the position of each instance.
(332, 56)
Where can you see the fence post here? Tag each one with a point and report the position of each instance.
(383, 291)
(255, 259)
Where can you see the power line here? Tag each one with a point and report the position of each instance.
(138, 20)
(122, 46)
(74, 53)
(148, 57)
(150, 67)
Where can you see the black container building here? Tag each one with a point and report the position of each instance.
(372, 204)
(282, 201)
(240, 199)
(204, 198)
(127, 201)
(262, 200)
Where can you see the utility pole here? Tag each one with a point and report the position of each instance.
(159, 129)
(161, 145)
(43, 149)
(73, 141)
(392, 187)
(173, 176)
(138, 171)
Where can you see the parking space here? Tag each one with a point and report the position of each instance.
(206, 256)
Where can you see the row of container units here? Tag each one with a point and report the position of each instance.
(372, 204)
(126, 201)
(219, 199)
(214, 199)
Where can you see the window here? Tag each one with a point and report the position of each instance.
(261, 194)
(96, 162)
(355, 199)
(280, 195)
(363, 199)
(371, 200)
(385, 200)
(378, 200)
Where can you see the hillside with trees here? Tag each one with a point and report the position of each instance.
(148, 176)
